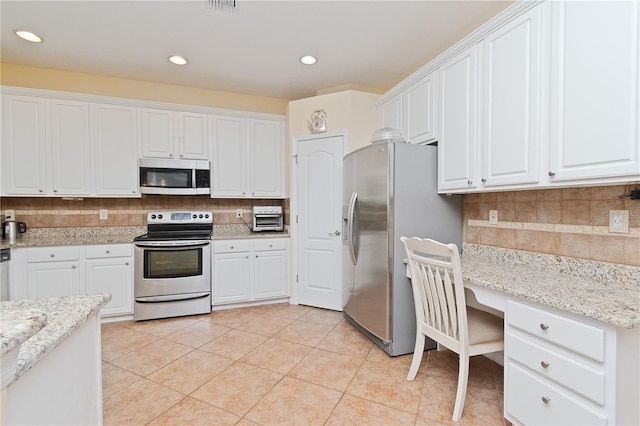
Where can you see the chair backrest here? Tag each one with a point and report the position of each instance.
(438, 291)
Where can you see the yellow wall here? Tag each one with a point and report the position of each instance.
(65, 81)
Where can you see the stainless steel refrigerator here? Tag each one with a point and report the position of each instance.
(390, 191)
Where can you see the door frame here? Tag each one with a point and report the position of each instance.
(293, 226)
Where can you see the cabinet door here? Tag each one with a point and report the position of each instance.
(595, 95)
(115, 150)
(157, 133)
(266, 171)
(112, 276)
(193, 135)
(458, 122)
(231, 277)
(511, 137)
(390, 113)
(229, 157)
(270, 274)
(23, 145)
(53, 279)
(69, 154)
(420, 110)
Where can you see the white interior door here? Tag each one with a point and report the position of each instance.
(319, 236)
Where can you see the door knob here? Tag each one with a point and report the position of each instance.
(336, 233)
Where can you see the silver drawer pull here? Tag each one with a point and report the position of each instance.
(544, 364)
(544, 326)
(546, 399)
(231, 247)
(52, 255)
(108, 251)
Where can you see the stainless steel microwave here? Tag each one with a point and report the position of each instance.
(174, 177)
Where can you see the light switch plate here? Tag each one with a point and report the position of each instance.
(619, 221)
(104, 214)
(10, 214)
(493, 217)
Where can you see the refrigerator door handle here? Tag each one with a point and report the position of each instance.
(352, 208)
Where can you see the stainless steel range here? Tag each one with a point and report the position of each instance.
(172, 270)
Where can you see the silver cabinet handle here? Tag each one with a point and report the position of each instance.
(55, 190)
(73, 266)
(40, 190)
(133, 191)
(483, 180)
(546, 399)
(246, 257)
(552, 174)
(544, 326)
(336, 233)
(108, 251)
(126, 263)
(181, 155)
(171, 155)
(469, 182)
(544, 364)
(231, 247)
(270, 245)
(52, 255)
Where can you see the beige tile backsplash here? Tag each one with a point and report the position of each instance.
(59, 213)
(569, 222)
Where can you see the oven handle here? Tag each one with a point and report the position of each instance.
(171, 297)
(171, 244)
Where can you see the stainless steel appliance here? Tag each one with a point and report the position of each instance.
(268, 218)
(172, 265)
(390, 192)
(12, 229)
(5, 258)
(174, 177)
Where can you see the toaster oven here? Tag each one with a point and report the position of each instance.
(268, 218)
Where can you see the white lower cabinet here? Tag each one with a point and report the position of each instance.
(566, 370)
(109, 269)
(248, 270)
(53, 272)
(43, 272)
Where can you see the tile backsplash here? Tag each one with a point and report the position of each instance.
(570, 222)
(60, 213)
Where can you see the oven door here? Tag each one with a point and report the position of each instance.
(172, 270)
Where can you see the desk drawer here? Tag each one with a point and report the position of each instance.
(567, 372)
(576, 336)
(530, 400)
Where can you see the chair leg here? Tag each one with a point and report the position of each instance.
(463, 379)
(418, 351)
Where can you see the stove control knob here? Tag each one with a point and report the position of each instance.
(153, 216)
(200, 215)
(194, 216)
(159, 216)
(206, 216)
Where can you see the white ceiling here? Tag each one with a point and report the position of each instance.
(254, 51)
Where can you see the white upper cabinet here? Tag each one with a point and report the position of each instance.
(69, 147)
(458, 121)
(247, 158)
(594, 93)
(169, 134)
(413, 111)
(420, 124)
(390, 113)
(510, 141)
(23, 145)
(115, 144)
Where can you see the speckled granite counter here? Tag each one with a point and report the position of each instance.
(606, 292)
(50, 237)
(63, 316)
(17, 326)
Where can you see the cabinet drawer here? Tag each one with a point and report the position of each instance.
(107, 251)
(266, 245)
(576, 336)
(525, 396)
(52, 254)
(567, 372)
(231, 246)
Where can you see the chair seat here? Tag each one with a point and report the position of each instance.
(483, 326)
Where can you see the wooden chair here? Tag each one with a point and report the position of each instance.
(442, 313)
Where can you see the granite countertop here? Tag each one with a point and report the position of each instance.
(606, 292)
(63, 315)
(17, 326)
(51, 237)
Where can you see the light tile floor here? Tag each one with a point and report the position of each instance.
(280, 364)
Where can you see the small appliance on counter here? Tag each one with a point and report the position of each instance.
(172, 265)
(12, 229)
(268, 218)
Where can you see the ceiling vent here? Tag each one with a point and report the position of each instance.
(223, 5)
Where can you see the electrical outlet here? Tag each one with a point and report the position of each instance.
(239, 213)
(104, 214)
(619, 221)
(10, 214)
(493, 217)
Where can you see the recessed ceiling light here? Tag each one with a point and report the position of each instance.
(178, 60)
(28, 35)
(308, 60)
